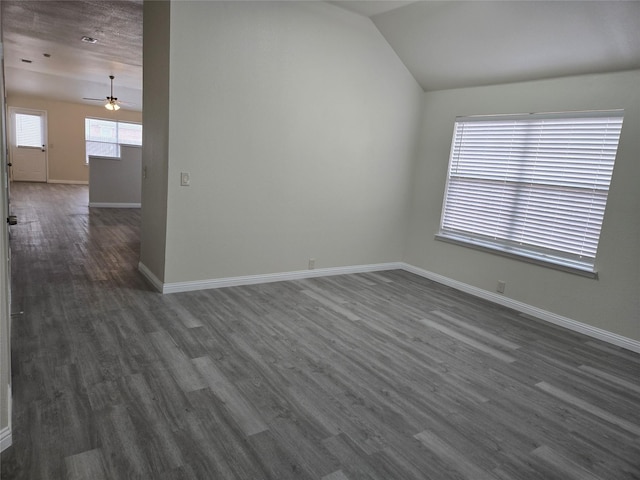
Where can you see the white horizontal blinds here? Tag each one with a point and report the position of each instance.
(537, 182)
(28, 130)
(104, 137)
(129, 133)
(99, 149)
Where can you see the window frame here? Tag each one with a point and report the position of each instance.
(117, 143)
(503, 246)
(40, 130)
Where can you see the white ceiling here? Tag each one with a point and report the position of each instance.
(373, 7)
(444, 44)
(75, 69)
(450, 44)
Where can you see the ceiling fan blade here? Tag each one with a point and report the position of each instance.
(109, 100)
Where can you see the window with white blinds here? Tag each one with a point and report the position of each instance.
(28, 130)
(104, 137)
(534, 185)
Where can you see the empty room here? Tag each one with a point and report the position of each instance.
(330, 240)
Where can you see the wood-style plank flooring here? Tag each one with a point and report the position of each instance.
(370, 376)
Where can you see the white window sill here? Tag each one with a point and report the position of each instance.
(98, 157)
(535, 258)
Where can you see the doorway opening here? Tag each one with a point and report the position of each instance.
(27, 145)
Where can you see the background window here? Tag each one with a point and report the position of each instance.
(534, 186)
(28, 130)
(104, 137)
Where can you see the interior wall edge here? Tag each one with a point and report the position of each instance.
(151, 277)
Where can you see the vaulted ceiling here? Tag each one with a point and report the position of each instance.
(451, 44)
(444, 44)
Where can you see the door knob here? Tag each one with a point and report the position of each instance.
(12, 220)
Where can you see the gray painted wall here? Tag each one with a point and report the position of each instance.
(306, 137)
(611, 303)
(116, 181)
(298, 124)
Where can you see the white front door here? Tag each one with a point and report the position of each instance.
(28, 145)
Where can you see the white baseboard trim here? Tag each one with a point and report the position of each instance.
(114, 205)
(5, 438)
(568, 323)
(69, 182)
(274, 277)
(151, 278)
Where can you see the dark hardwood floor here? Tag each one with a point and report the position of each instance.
(370, 376)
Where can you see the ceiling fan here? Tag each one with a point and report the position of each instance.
(112, 103)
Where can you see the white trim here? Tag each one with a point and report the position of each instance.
(5, 438)
(11, 138)
(568, 323)
(114, 205)
(151, 278)
(522, 255)
(176, 287)
(69, 182)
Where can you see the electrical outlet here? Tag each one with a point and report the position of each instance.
(185, 179)
(312, 263)
(501, 286)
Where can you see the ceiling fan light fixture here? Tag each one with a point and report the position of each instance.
(112, 102)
